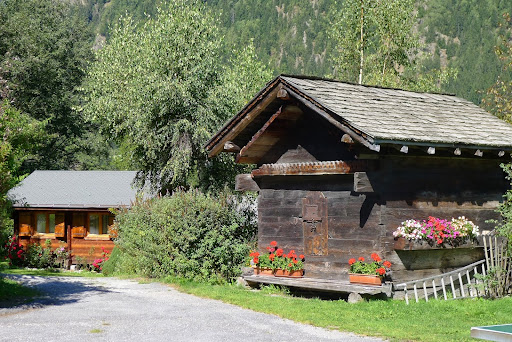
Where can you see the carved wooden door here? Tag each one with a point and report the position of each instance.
(315, 223)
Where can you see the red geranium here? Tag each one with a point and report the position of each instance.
(351, 261)
(387, 264)
(381, 270)
(376, 257)
(273, 243)
(361, 259)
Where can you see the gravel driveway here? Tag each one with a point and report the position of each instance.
(111, 309)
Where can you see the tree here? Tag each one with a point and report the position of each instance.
(375, 44)
(20, 136)
(44, 50)
(498, 99)
(157, 87)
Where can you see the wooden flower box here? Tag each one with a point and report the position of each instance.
(417, 256)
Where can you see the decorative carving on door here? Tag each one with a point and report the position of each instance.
(314, 223)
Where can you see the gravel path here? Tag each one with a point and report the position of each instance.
(111, 309)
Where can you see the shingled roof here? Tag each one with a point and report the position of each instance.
(75, 189)
(383, 116)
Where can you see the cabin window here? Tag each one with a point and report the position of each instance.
(41, 223)
(100, 222)
(45, 222)
(51, 225)
(94, 224)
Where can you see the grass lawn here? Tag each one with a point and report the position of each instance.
(4, 268)
(11, 292)
(394, 320)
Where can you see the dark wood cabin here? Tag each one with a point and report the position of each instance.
(339, 166)
(71, 208)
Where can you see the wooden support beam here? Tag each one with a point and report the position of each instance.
(245, 182)
(229, 146)
(256, 136)
(362, 183)
(237, 124)
(282, 94)
(347, 139)
(308, 102)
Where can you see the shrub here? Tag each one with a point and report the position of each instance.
(504, 226)
(188, 234)
(15, 253)
(38, 256)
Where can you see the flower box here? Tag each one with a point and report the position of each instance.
(289, 274)
(365, 279)
(416, 256)
(263, 271)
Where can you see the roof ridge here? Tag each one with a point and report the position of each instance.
(318, 78)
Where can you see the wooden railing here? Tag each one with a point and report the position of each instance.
(462, 283)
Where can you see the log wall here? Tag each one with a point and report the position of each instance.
(359, 224)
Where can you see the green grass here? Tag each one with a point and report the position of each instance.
(12, 292)
(394, 320)
(4, 268)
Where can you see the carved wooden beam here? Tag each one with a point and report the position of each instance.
(313, 168)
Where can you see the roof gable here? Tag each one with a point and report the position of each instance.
(371, 116)
(75, 189)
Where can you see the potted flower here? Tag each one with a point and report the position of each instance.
(370, 273)
(289, 265)
(264, 264)
(277, 262)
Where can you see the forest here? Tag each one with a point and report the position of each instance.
(142, 84)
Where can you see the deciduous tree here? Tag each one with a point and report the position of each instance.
(160, 88)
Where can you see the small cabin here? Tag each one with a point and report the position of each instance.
(71, 209)
(339, 166)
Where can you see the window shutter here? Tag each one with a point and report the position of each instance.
(78, 230)
(59, 225)
(25, 226)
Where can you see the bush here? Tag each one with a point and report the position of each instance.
(38, 256)
(504, 227)
(188, 234)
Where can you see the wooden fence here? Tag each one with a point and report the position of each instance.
(462, 283)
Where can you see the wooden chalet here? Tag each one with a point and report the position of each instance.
(339, 166)
(71, 208)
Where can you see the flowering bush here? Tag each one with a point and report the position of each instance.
(437, 231)
(97, 264)
(276, 258)
(61, 256)
(375, 267)
(15, 253)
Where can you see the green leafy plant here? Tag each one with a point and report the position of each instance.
(188, 234)
(38, 256)
(15, 252)
(97, 264)
(61, 255)
(375, 267)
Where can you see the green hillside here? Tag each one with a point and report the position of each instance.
(291, 34)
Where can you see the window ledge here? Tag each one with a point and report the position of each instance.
(43, 236)
(103, 237)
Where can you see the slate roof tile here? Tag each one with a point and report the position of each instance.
(399, 115)
(75, 189)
